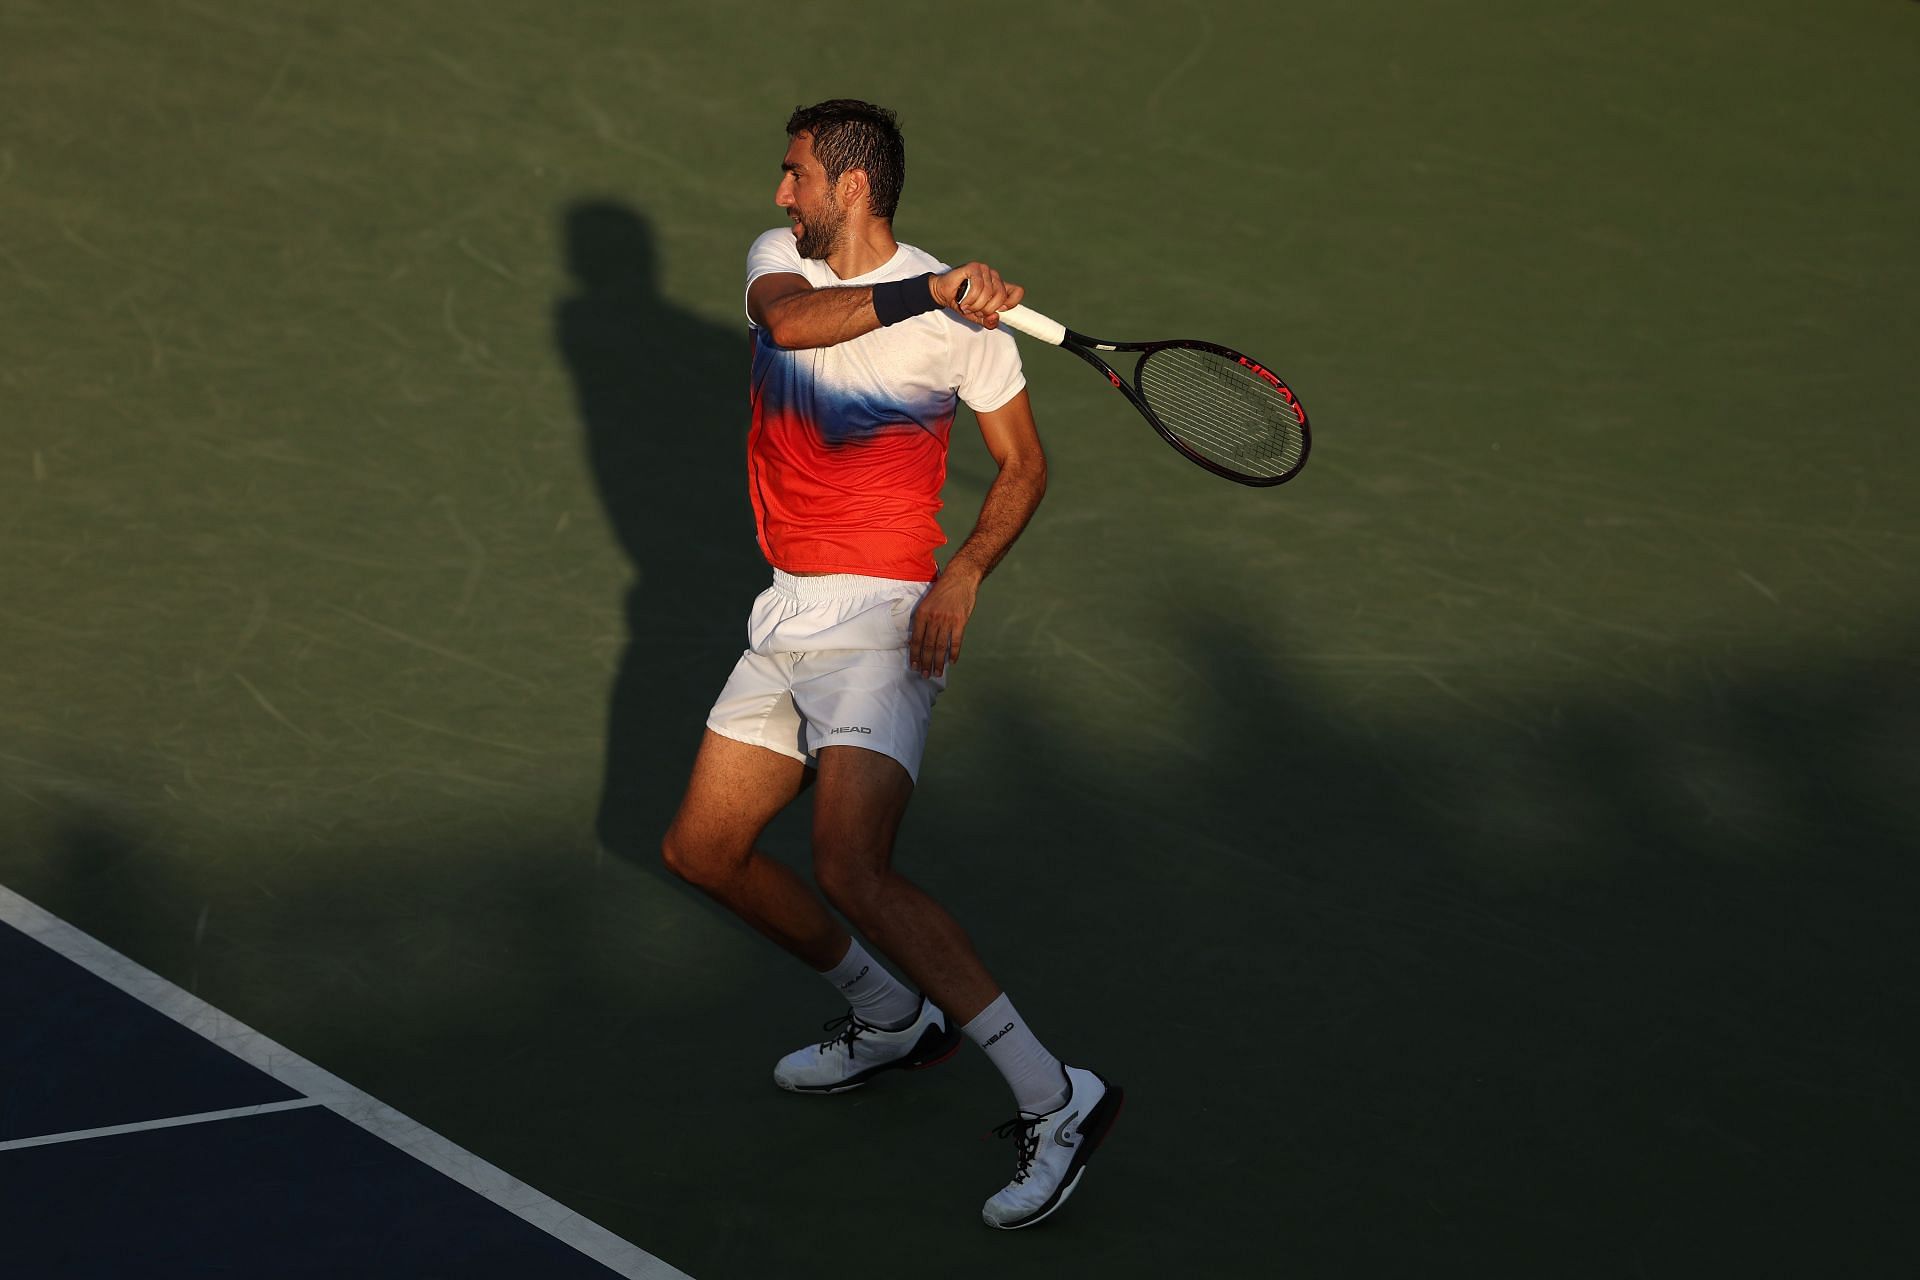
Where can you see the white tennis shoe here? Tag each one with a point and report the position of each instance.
(858, 1051)
(1053, 1151)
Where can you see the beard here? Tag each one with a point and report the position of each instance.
(821, 234)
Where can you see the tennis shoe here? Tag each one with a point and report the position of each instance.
(858, 1051)
(1053, 1151)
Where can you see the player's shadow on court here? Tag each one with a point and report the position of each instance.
(661, 394)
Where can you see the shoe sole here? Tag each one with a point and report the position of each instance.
(919, 1060)
(1093, 1132)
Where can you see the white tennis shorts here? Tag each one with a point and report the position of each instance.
(826, 666)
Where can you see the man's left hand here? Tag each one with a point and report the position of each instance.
(939, 619)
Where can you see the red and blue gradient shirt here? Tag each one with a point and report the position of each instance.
(848, 449)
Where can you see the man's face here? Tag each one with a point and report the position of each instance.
(818, 220)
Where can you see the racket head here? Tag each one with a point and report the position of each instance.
(1225, 411)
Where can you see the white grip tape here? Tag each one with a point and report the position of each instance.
(1035, 325)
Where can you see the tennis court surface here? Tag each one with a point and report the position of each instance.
(1494, 850)
(144, 1133)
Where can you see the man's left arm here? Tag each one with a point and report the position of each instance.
(1014, 442)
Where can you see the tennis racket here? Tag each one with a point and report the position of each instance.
(1225, 411)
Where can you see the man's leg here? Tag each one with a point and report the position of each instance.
(735, 791)
(1065, 1112)
(859, 801)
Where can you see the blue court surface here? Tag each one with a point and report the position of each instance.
(144, 1133)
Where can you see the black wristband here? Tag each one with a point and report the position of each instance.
(897, 300)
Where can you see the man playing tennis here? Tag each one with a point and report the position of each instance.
(862, 348)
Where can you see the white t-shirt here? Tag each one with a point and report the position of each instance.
(848, 449)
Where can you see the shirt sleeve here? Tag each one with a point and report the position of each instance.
(986, 367)
(774, 251)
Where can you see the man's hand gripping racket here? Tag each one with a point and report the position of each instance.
(1220, 409)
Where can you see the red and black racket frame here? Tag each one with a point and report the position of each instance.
(1084, 347)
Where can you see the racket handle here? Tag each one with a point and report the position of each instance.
(1026, 320)
(1035, 325)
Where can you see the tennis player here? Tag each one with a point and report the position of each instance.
(863, 348)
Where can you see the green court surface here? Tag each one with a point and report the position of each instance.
(1493, 850)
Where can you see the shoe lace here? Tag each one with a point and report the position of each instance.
(846, 1029)
(1029, 1141)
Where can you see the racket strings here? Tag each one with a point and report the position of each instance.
(1223, 411)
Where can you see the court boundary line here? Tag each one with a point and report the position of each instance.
(165, 1122)
(336, 1095)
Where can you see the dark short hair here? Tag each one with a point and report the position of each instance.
(851, 134)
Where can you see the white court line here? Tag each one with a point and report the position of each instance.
(171, 1122)
(330, 1091)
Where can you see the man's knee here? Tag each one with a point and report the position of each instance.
(698, 862)
(677, 856)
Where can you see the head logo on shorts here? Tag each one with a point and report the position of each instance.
(852, 728)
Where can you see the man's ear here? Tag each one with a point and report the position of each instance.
(853, 186)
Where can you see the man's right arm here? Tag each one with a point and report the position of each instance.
(798, 316)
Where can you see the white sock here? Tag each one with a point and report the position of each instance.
(877, 998)
(1038, 1081)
